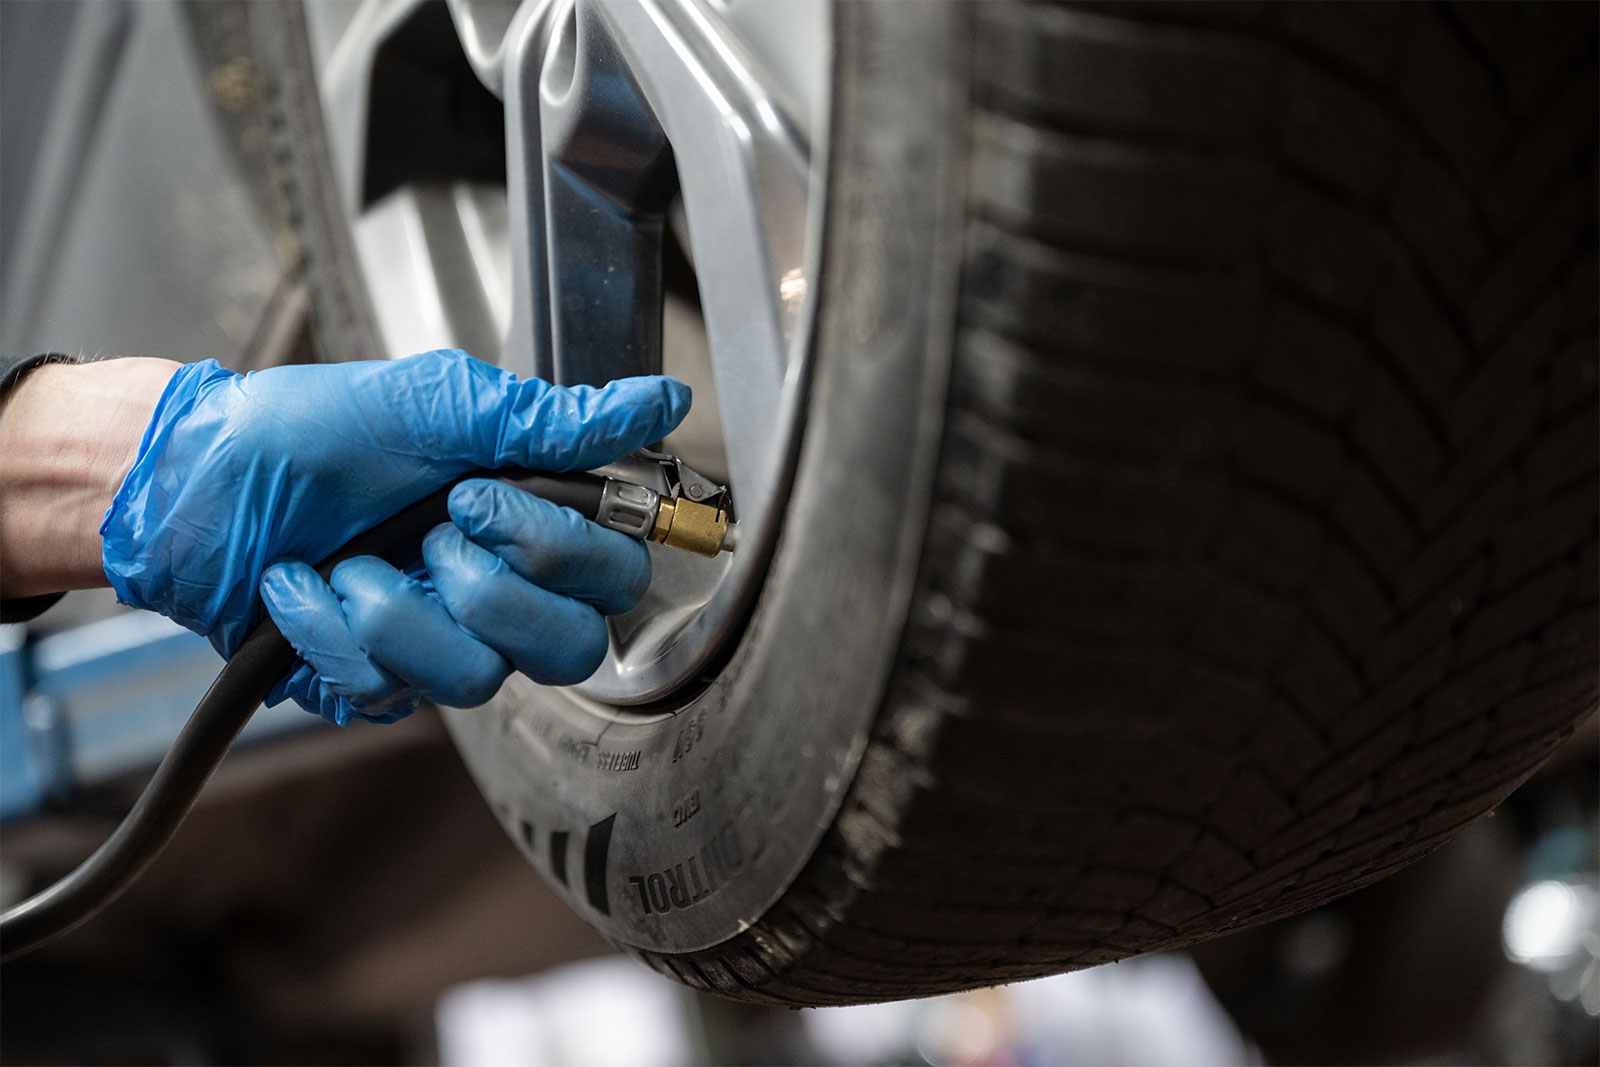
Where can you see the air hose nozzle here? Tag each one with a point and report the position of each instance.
(697, 528)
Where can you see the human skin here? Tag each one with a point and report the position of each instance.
(69, 432)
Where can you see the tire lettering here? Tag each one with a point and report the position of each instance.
(658, 891)
(692, 879)
(616, 761)
(675, 894)
(575, 750)
(689, 735)
(686, 809)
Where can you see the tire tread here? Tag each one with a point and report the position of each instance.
(1263, 557)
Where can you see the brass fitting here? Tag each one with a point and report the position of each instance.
(692, 527)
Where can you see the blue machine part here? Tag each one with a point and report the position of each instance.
(21, 784)
(101, 701)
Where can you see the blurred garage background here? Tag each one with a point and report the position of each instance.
(344, 896)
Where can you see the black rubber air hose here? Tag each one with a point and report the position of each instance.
(240, 688)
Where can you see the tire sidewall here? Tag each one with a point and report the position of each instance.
(676, 833)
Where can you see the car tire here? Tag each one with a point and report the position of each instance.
(1195, 514)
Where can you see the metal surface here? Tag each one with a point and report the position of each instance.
(626, 125)
(628, 508)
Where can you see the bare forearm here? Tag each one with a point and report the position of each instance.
(68, 435)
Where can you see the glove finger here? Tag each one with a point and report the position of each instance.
(558, 428)
(301, 686)
(552, 546)
(553, 639)
(312, 619)
(477, 413)
(304, 687)
(411, 634)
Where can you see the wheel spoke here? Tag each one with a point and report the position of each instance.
(346, 91)
(415, 224)
(505, 42)
(415, 242)
(528, 348)
(607, 184)
(483, 28)
(603, 100)
(742, 166)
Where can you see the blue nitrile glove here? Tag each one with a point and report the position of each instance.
(237, 472)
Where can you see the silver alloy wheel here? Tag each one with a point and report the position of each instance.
(632, 129)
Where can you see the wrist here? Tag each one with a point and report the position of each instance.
(68, 435)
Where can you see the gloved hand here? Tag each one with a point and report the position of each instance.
(237, 472)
